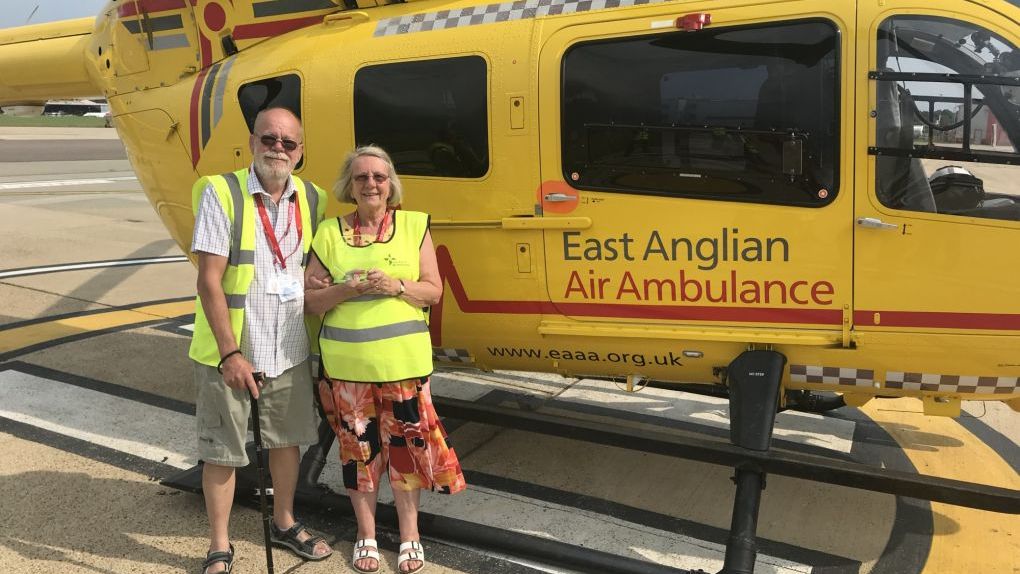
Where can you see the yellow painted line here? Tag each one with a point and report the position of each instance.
(22, 337)
(965, 539)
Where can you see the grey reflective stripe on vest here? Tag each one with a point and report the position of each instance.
(236, 301)
(313, 204)
(237, 257)
(363, 298)
(312, 201)
(342, 335)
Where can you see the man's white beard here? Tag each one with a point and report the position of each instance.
(271, 170)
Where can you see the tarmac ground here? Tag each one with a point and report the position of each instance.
(96, 412)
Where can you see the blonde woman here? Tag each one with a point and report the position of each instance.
(377, 353)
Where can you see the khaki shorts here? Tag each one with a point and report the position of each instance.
(287, 414)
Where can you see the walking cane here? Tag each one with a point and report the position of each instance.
(259, 378)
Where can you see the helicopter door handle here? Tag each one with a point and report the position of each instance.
(558, 197)
(875, 223)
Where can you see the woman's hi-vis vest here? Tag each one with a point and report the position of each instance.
(239, 206)
(375, 338)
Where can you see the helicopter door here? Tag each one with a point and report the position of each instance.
(938, 214)
(692, 179)
(442, 136)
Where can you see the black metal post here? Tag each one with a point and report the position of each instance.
(742, 545)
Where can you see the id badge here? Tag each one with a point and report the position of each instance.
(290, 288)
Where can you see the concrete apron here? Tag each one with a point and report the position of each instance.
(64, 513)
(55, 133)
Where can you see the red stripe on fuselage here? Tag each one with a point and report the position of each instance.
(270, 29)
(150, 6)
(703, 313)
(127, 9)
(939, 320)
(195, 119)
(205, 47)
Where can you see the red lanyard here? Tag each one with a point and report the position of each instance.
(383, 226)
(293, 214)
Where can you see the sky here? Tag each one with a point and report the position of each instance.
(17, 12)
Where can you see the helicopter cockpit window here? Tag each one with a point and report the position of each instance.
(278, 92)
(430, 115)
(947, 113)
(743, 113)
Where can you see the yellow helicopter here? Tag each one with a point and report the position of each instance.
(774, 197)
(625, 188)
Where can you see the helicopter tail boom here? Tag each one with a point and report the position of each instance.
(45, 61)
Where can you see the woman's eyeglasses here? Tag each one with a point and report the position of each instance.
(270, 141)
(379, 178)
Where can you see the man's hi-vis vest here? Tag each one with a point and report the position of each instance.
(239, 206)
(376, 338)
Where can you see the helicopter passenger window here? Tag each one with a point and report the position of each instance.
(947, 118)
(745, 113)
(430, 115)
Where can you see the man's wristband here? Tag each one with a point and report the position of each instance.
(224, 358)
(402, 288)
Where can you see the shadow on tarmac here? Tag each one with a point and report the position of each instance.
(922, 440)
(105, 280)
(125, 513)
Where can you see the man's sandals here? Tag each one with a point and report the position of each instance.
(227, 558)
(290, 539)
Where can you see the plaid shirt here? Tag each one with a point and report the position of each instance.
(274, 337)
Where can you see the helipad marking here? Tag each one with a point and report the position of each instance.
(29, 335)
(63, 182)
(124, 425)
(965, 540)
(90, 265)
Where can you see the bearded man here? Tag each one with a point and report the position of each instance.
(253, 231)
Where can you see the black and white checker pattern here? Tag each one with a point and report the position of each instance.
(492, 13)
(451, 355)
(951, 383)
(847, 376)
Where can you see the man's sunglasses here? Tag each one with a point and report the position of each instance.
(270, 142)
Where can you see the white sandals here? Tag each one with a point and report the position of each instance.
(366, 548)
(411, 550)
